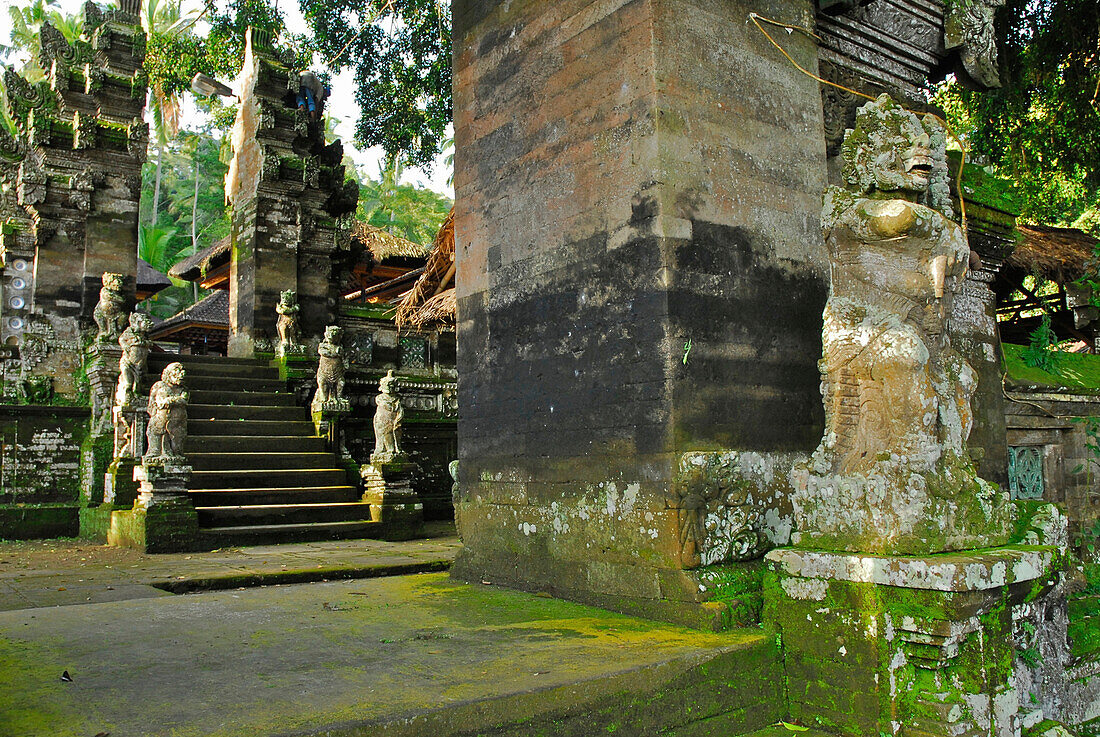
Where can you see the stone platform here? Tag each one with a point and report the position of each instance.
(409, 655)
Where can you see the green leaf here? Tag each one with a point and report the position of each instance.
(794, 727)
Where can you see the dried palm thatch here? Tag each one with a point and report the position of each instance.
(1059, 254)
(430, 301)
(383, 245)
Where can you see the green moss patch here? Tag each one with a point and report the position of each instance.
(1076, 371)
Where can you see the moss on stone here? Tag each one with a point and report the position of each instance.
(1077, 371)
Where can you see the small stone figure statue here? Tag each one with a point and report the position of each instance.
(135, 343)
(167, 416)
(387, 421)
(330, 372)
(110, 317)
(289, 332)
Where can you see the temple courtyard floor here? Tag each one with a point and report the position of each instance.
(101, 641)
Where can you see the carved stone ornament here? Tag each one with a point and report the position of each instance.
(330, 373)
(969, 28)
(32, 185)
(53, 46)
(716, 521)
(388, 416)
(93, 17)
(135, 344)
(93, 79)
(137, 138)
(109, 313)
(167, 409)
(290, 334)
(269, 169)
(892, 473)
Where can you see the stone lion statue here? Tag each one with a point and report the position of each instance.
(388, 415)
(109, 313)
(892, 470)
(290, 333)
(135, 345)
(167, 409)
(330, 371)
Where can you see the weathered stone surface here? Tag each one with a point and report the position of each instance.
(331, 368)
(388, 415)
(640, 274)
(877, 645)
(392, 500)
(892, 473)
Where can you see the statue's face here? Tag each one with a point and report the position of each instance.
(112, 281)
(891, 150)
(286, 298)
(140, 322)
(174, 374)
(333, 334)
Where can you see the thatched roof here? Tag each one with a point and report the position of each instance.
(431, 301)
(210, 311)
(149, 280)
(383, 245)
(195, 266)
(1059, 254)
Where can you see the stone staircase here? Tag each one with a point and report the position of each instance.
(259, 473)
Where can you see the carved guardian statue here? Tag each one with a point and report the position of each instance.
(167, 409)
(330, 372)
(388, 415)
(135, 345)
(892, 473)
(109, 313)
(290, 334)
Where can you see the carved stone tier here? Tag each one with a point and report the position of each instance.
(392, 500)
(907, 646)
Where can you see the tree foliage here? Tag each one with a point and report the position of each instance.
(1042, 127)
(400, 51)
(413, 213)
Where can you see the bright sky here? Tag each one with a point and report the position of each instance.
(341, 105)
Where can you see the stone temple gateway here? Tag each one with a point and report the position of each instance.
(642, 279)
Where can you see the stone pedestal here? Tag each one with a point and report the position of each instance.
(392, 500)
(119, 487)
(101, 360)
(912, 646)
(327, 423)
(163, 519)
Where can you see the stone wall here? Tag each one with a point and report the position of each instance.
(1047, 447)
(641, 275)
(40, 469)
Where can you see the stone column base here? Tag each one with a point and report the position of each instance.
(392, 500)
(908, 646)
(163, 519)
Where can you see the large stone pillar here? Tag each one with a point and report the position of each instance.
(641, 274)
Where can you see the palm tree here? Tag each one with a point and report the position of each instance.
(164, 17)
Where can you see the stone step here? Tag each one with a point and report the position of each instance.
(252, 428)
(283, 514)
(260, 461)
(247, 371)
(260, 534)
(295, 495)
(220, 383)
(239, 412)
(226, 397)
(163, 359)
(275, 479)
(254, 443)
